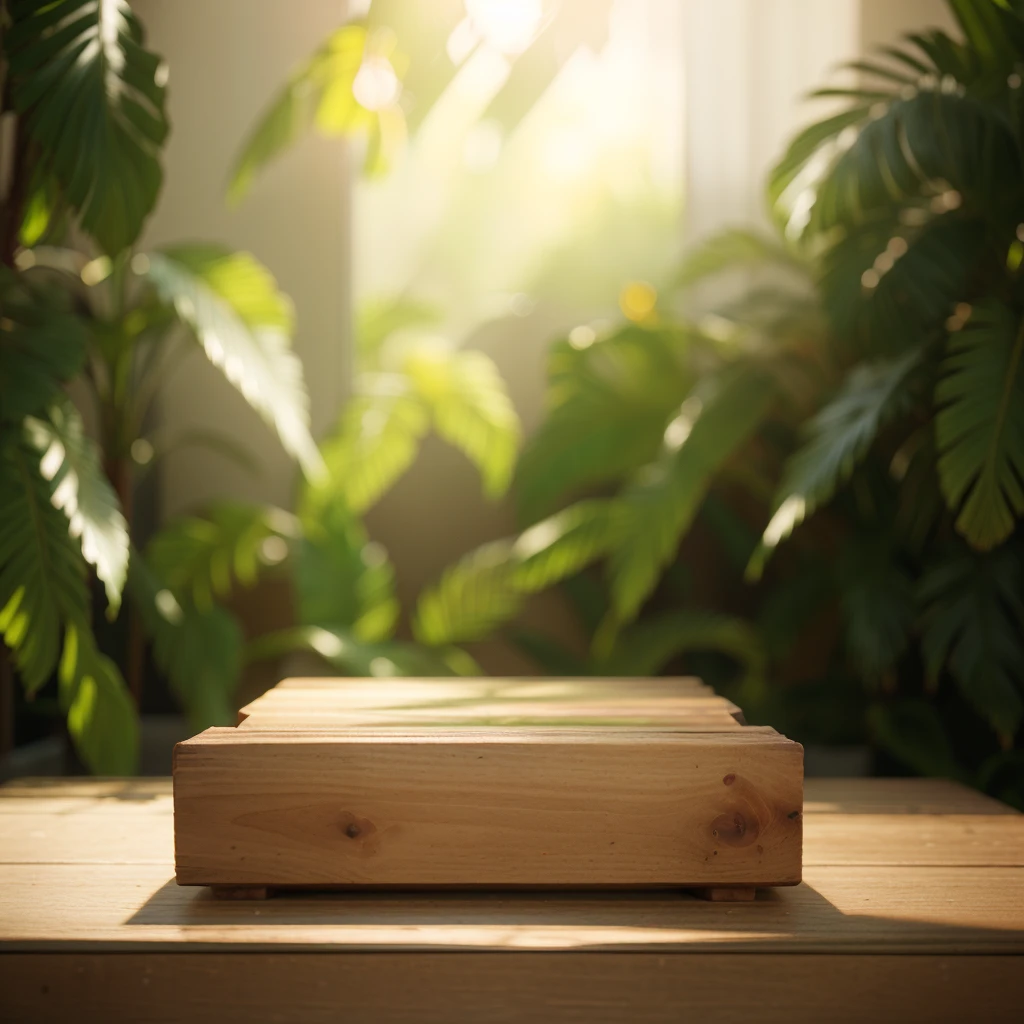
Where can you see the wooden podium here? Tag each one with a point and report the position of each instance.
(355, 783)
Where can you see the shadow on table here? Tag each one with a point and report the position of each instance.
(797, 918)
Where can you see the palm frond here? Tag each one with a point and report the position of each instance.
(343, 580)
(608, 407)
(42, 574)
(564, 544)
(378, 439)
(244, 324)
(200, 557)
(973, 626)
(71, 462)
(199, 650)
(471, 409)
(646, 647)
(980, 424)
(93, 101)
(839, 437)
(101, 717)
(472, 597)
(41, 347)
(661, 503)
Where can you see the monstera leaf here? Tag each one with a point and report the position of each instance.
(92, 100)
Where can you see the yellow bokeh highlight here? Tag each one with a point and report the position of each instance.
(637, 301)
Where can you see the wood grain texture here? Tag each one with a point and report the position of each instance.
(87, 919)
(454, 988)
(118, 908)
(533, 782)
(579, 808)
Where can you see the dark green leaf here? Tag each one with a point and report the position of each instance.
(974, 627)
(41, 348)
(42, 574)
(661, 503)
(980, 424)
(839, 437)
(92, 100)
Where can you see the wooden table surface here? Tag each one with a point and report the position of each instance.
(911, 909)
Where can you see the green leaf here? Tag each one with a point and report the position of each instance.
(838, 438)
(42, 575)
(378, 319)
(199, 650)
(661, 503)
(348, 655)
(344, 580)
(915, 143)
(877, 604)
(473, 596)
(319, 94)
(92, 99)
(379, 437)
(645, 647)
(470, 407)
(609, 403)
(71, 462)
(199, 557)
(974, 626)
(41, 348)
(980, 424)
(101, 716)
(930, 269)
(244, 323)
(912, 731)
(564, 544)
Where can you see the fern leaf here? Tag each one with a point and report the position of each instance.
(980, 425)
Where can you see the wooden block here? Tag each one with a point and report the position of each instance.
(489, 783)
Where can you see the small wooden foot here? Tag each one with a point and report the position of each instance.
(239, 892)
(726, 893)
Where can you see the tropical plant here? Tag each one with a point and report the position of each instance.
(874, 411)
(81, 305)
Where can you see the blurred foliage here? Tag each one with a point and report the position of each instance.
(859, 388)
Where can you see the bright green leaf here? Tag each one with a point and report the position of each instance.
(244, 324)
(71, 462)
